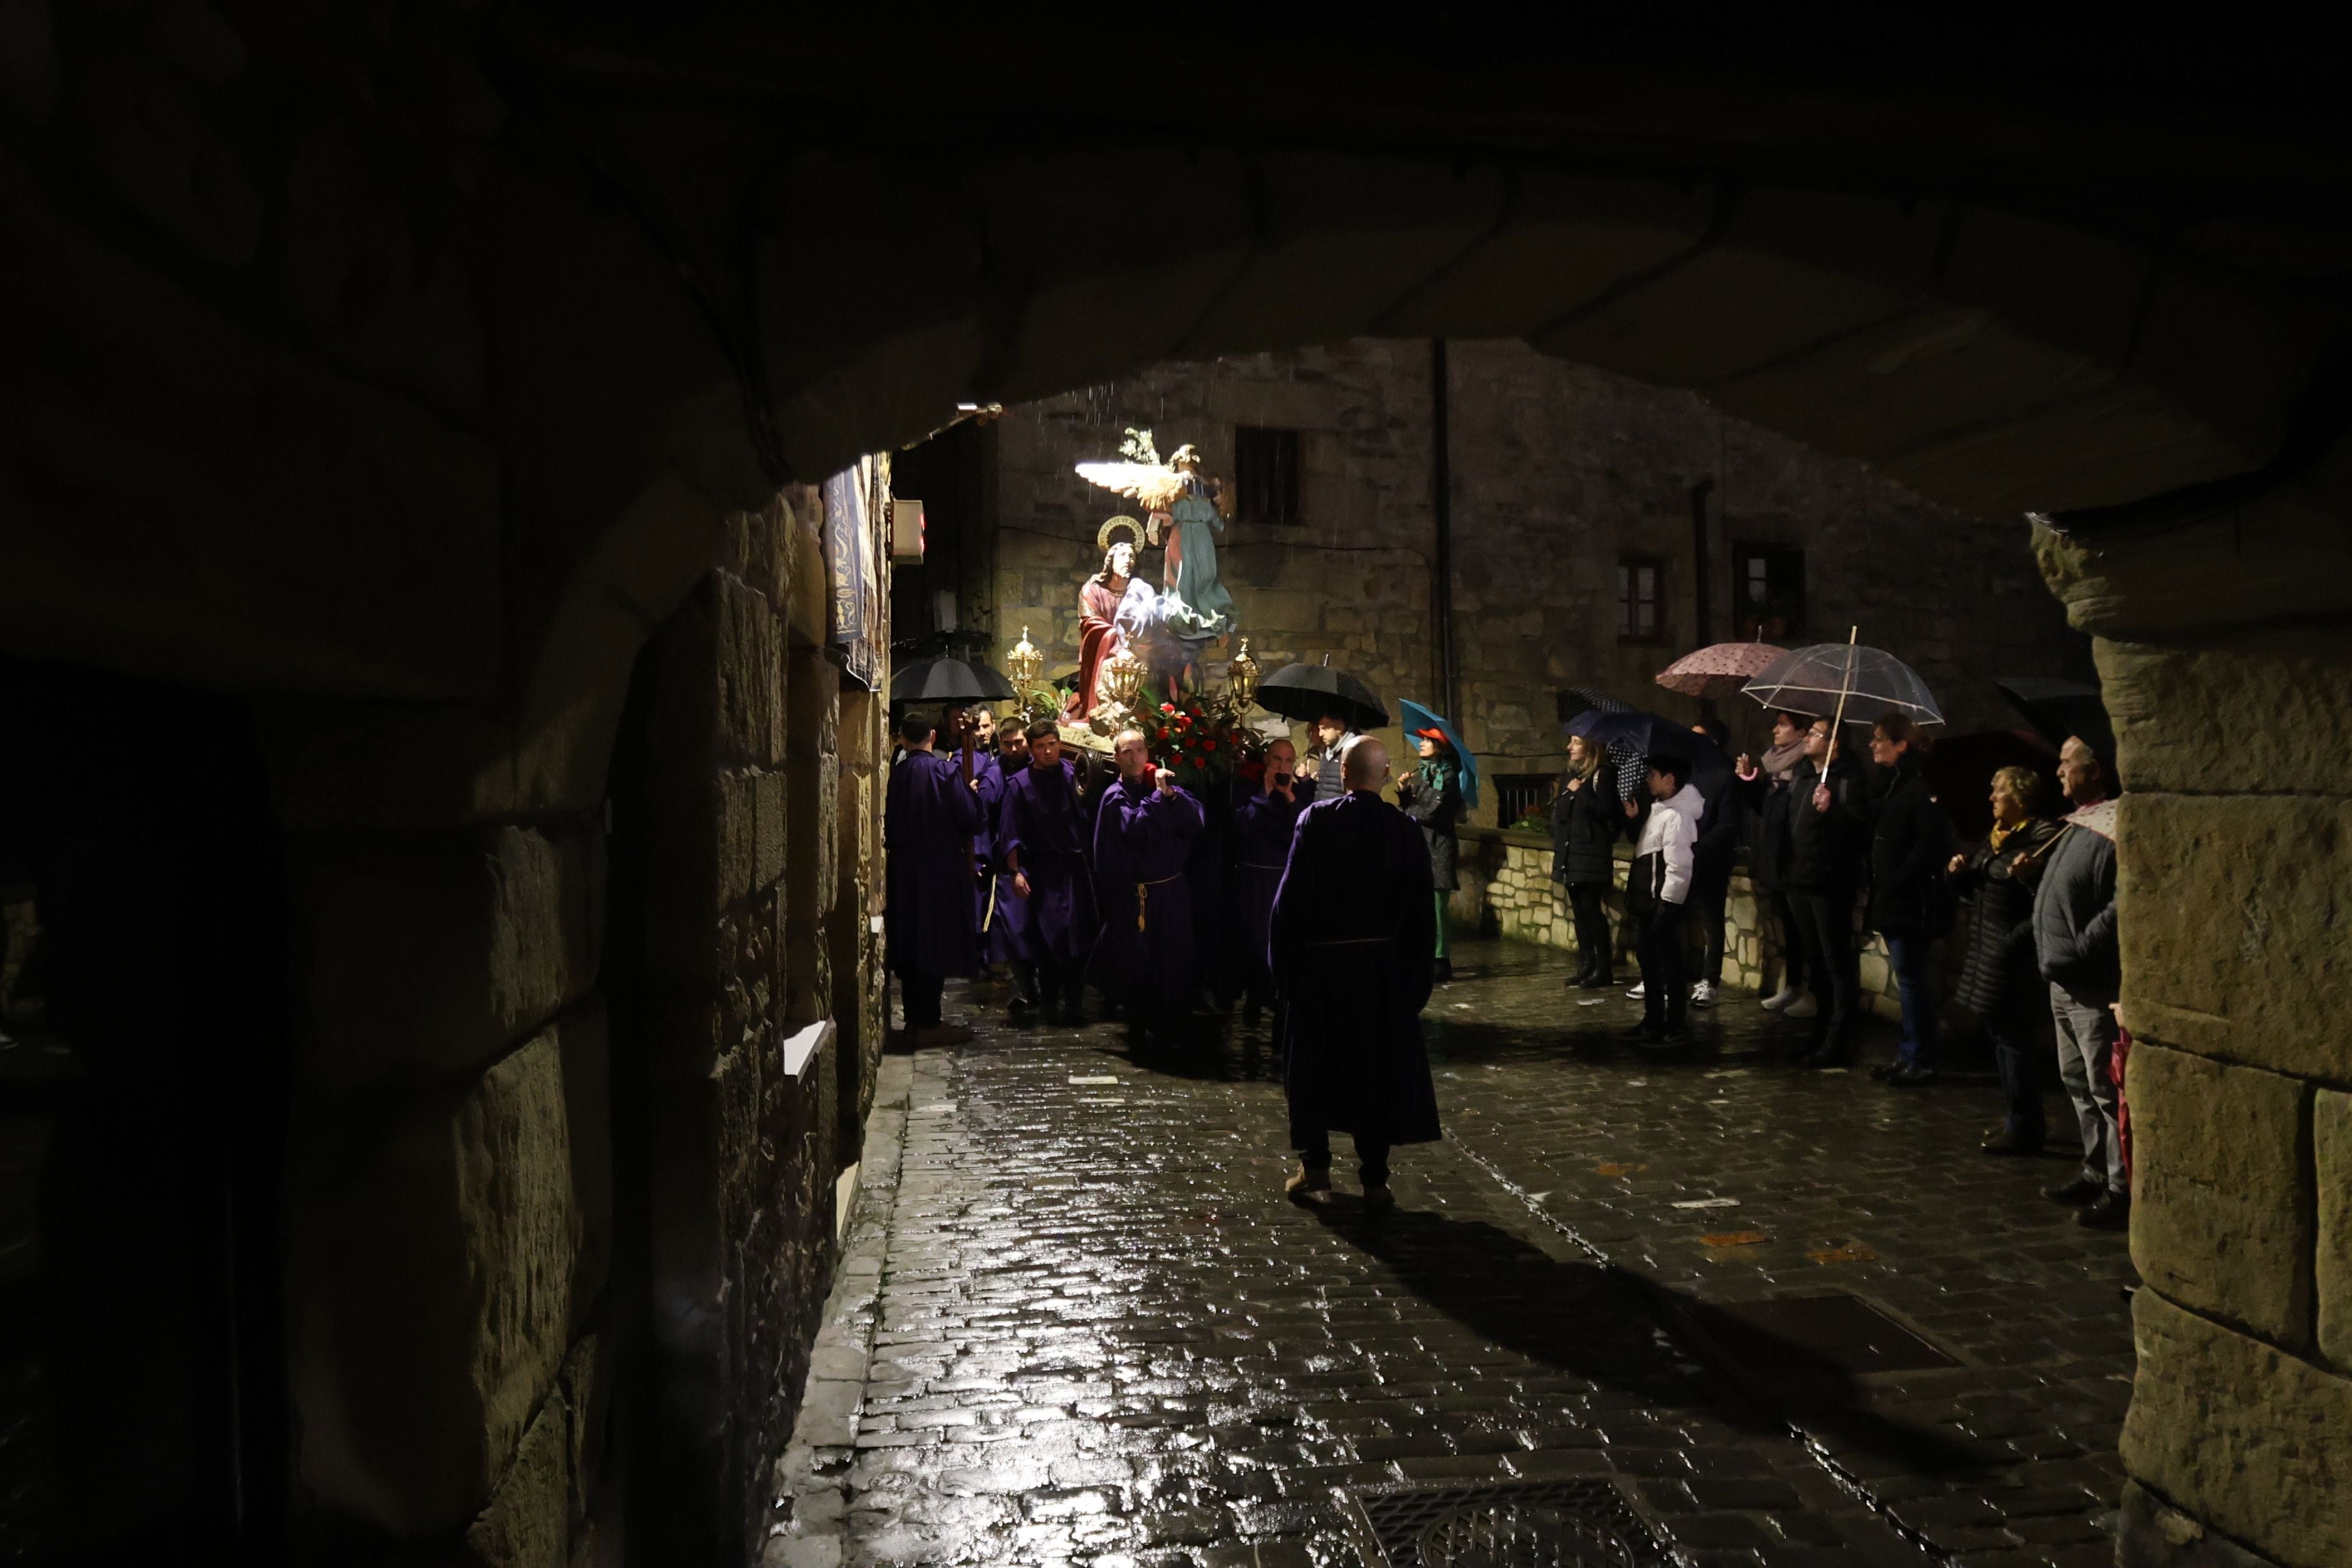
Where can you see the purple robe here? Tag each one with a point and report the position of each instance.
(928, 819)
(988, 773)
(1355, 938)
(1045, 823)
(1142, 840)
(1263, 825)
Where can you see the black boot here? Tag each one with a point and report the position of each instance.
(1445, 970)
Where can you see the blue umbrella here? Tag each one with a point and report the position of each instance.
(1416, 717)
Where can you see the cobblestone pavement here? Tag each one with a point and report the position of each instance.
(1079, 1323)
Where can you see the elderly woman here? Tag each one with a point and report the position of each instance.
(1999, 982)
(1431, 795)
(1585, 824)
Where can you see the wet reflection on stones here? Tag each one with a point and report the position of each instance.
(1089, 1333)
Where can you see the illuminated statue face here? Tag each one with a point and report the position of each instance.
(1122, 559)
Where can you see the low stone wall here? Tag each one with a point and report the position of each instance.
(1505, 889)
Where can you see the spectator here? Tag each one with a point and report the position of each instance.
(1585, 824)
(1999, 982)
(1657, 894)
(1826, 850)
(1711, 858)
(1911, 839)
(2074, 944)
(1432, 796)
(1769, 799)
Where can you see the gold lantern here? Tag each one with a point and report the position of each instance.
(1125, 672)
(1024, 663)
(1241, 678)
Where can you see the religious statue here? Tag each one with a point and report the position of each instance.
(1184, 509)
(1114, 607)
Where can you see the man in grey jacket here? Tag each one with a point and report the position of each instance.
(2075, 942)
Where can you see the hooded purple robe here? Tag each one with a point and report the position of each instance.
(1045, 823)
(929, 816)
(1142, 840)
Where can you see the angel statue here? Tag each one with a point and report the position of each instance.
(1184, 507)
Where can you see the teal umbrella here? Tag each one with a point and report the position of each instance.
(1417, 718)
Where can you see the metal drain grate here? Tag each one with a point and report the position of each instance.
(1582, 1523)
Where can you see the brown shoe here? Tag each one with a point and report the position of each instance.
(1377, 1199)
(1306, 1186)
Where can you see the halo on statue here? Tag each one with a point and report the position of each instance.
(1113, 527)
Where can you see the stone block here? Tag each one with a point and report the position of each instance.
(738, 837)
(751, 675)
(582, 1035)
(2232, 913)
(528, 1524)
(770, 831)
(2240, 1435)
(587, 1400)
(2222, 1219)
(2279, 685)
(434, 1244)
(418, 957)
(2331, 1143)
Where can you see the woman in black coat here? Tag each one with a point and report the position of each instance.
(1910, 840)
(1998, 980)
(1767, 783)
(1828, 856)
(1585, 821)
(1431, 795)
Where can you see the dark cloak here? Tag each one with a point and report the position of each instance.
(929, 816)
(1046, 825)
(1143, 842)
(1263, 825)
(1354, 944)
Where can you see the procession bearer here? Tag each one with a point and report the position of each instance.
(931, 815)
(1143, 835)
(1042, 841)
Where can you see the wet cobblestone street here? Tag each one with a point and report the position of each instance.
(1078, 1323)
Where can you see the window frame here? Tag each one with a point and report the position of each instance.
(1627, 630)
(1284, 484)
(1783, 598)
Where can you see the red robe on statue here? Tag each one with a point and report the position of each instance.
(1099, 640)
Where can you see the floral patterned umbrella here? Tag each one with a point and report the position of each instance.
(1719, 670)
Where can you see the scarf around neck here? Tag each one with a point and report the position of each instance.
(1781, 763)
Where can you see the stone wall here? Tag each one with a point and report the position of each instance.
(1558, 470)
(2234, 863)
(1507, 889)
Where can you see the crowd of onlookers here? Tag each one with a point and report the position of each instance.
(1838, 846)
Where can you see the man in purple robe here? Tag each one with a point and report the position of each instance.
(929, 816)
(1047, 900)
(1265, 813)
(1143, 835)
(1354, 950)
(1002, 916)
(988, 777)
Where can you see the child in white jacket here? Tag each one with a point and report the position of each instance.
(1655, 893)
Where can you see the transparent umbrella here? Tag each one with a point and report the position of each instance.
(1848, 682)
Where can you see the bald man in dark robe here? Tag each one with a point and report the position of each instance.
(1354, 945)
(1144, 831)
(929, 817)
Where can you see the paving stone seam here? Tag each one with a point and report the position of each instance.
(1843, 1478)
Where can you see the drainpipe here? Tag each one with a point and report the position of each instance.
(1445, 667)
(1702, 579)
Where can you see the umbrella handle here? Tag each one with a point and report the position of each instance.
(1837, 725)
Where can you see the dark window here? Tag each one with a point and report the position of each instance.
(1522, 794)
(1265, 474)
(1639, 619)
(1767, 592)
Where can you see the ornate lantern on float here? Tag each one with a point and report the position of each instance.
(1240, 679)
(1025, 664)
(1125, 672)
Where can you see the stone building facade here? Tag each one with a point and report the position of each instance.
(1560, 474)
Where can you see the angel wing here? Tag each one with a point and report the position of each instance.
(1155, 485)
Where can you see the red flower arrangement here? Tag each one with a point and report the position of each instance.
(1198, 745)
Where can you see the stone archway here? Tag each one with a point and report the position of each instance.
(401, 381)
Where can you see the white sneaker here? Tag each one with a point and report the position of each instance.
(1781, 998)
(1703, 993)
(1636, 992)
(1802, 1007)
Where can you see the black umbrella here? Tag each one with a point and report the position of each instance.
(1650, 734)
(1310, 691)
(943, 680)
(2058, 707)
